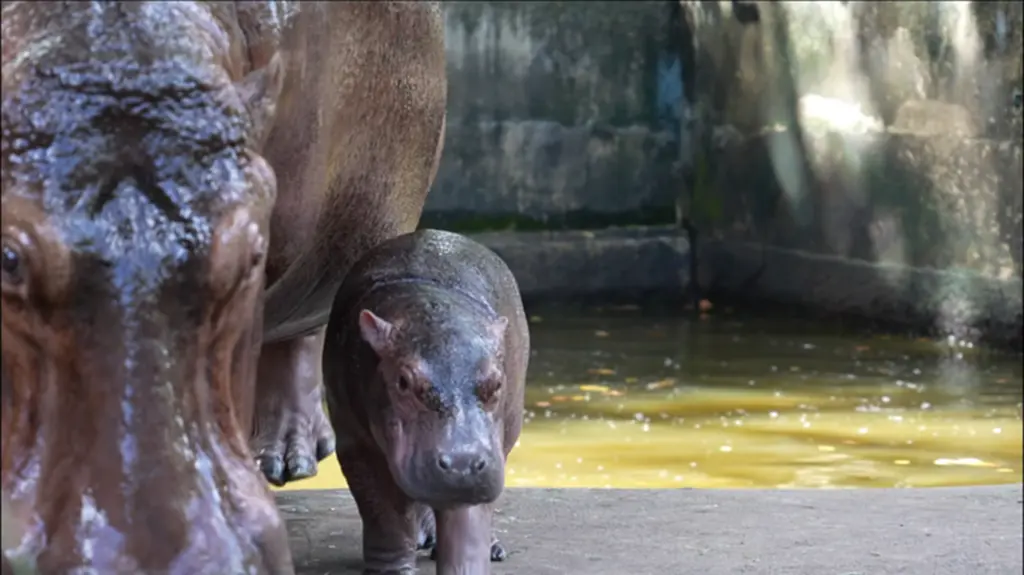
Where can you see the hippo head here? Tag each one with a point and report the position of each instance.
(135, 216)
(437, 419)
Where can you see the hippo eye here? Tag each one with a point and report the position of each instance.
(259, 248)
(488, 390)
(12, 272)
(403, 384)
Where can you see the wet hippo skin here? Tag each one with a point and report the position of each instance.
(425, 365)
(184, 187)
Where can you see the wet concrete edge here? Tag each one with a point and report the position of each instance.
(640, 262)
(946, 302)
(615, 263)
(934, 531)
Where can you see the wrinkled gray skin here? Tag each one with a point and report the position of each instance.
(425, 374)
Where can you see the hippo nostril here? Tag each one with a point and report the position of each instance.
(478, 465)
(461, 464)
(445, 462)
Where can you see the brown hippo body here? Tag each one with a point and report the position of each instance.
(355, 145)
(425, 367)
(185, 184)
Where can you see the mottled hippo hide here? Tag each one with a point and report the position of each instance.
(185, 184)
(425, 365)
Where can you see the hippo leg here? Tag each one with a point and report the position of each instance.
(498, 552)
(464, 540)
(428, 539)
(391, 521)
(291, 433)
(428, 531)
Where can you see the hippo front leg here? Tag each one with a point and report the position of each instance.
(291, 433)
(464, 541)
(428, 539)
(391, 521)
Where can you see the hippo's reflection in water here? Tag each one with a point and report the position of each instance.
(150, 151)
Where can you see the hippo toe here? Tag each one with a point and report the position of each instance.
(291, 431)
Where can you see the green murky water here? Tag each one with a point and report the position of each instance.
(625, 399)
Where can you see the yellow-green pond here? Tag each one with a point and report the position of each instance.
(621, 398)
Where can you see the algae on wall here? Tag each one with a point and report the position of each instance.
(553, 116)
(553, 61)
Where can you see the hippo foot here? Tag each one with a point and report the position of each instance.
(291, 431)
(302, 438)
(498, 552)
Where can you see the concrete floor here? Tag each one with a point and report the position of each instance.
(940, 531)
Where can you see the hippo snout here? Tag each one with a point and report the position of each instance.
(447, 478)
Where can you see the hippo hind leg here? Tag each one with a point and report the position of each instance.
(291, 432)
(428, 530)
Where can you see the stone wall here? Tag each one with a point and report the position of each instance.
(557, 117)
(856, 156)
(880, 134)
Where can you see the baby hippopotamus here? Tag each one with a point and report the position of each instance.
(425, 375)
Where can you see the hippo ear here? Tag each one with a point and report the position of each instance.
(375, 330)
(497, 329)
(260, 91)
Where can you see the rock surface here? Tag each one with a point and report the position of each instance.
(938, 531)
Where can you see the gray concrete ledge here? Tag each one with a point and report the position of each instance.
(940, 531)
(964, 304)
(633, 263)
(612, 262)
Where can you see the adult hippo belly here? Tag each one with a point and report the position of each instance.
(184, 186)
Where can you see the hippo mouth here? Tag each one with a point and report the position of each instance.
(453, 463)
(127, 389)
(162, 481)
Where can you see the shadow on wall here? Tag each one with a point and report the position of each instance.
(864, 157)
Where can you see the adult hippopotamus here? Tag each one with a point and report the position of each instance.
(425, 367)
(185, 185)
